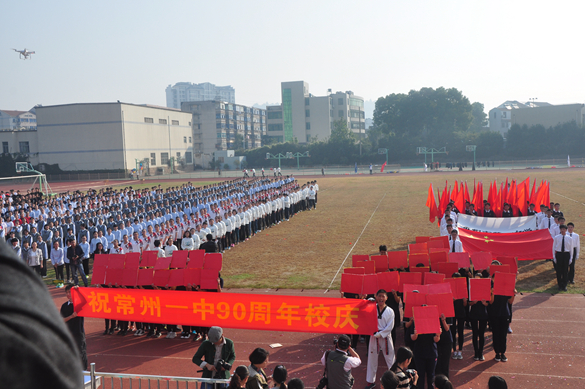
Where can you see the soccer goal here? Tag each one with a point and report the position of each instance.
(27, 179)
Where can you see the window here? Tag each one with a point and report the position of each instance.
(153, 159)
(275, 127)
(184, 139)
(190, 140)
(162, 121)
(188, 157)
(356, 102)
(307, 126)
(340, 101)
(340, 113)
(274, 114)
(148, 120)
(504, 114)
(175, 122)
(307, 101)
(24, 147)
(308, 138)
(331, 113)
(5, 147)
(307, 113)
(178, 154)
(164, 158)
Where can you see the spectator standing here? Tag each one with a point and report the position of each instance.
(213, 349)
(76, 326)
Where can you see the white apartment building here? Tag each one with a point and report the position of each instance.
(185, 91)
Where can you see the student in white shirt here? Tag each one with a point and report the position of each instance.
(86, 253)
(455, 245)
(187, 243)
(562, 256)
(160, 252)
(576, 248)
(170, 247)
(547, 222)
(58, 260)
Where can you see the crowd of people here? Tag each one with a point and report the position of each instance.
(566, 242)
(70, 228)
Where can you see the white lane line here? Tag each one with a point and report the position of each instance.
(568, 198)
(353, 245)
(515, 373)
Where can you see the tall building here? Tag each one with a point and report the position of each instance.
(105, 136)
(186, 91)
(221, 126)
(500, 118)
(305, 117)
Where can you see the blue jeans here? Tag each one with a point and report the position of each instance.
(74, 269)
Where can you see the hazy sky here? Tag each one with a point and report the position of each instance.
(95, 51)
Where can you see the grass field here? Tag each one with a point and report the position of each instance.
(307, 251)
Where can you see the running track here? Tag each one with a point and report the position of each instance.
(547, 348)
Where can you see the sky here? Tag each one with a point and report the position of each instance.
(132, 50)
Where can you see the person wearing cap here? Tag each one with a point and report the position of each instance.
(210, 351)
(381, 340)
(562, 256)
(338, 364)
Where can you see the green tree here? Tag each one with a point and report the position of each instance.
(479, 117)
(340, 132)
(238, 142)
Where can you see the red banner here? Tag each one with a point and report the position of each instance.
(229, 310)
(524, 245)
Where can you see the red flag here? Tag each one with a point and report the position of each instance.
(466, 193)
(513, 198)
(533, 195)
(524, 245)
(547, 193)
(479, 200)
(455, 192)
(460, 201)
(492, 195)
(540, 197)
(522, 196)
(497, 208)
(383, 166)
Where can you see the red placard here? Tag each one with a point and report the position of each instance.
(359, 257)
(177, 277)
(461, 259)
(434, 278)
(117, 261)
(354, 270)
(209, 279)
(426, 320)
(418, 248)
(162, 263)
(381, 262)
(410, 279)
(246, 311)
(213, 261)
(445, 287)
(434, 245)
(458, 287)
(98, 276)
(481, 260)
(414, 300)
(370, 285)
(499, 268)
(509, 261)
(414, 269)
(480, 289)
(352, 283)
(504, 284)
(114, 276)
(448, 268)
(192, 277)
(196, 259)
(398, 259)
(443, 239)
(415, 259)
(438, 257)
(145, 277)
(370, 266)
(444, 302)
(422, 239)
(389, 281)
(101, 260)
(161, 277)
(149, 258)
(132, 261)
(410, 289)
(130, 277)
(179, 259)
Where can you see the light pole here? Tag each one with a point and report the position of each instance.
(471, 148)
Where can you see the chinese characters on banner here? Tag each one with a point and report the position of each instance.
(229, 310)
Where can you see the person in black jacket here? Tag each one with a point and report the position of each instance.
(75, 324)
(205, 356)
(210, 246)
(75, 255)
(487, 212)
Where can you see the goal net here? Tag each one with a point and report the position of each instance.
(24, 183)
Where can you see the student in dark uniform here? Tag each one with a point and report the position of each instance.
(531, 210)
(458, 324)
(507, 212)
(425, 355)
(499, 323)
(479, 318)
(75, 325)
(487, 211)
(471, 210)
(444, 347)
